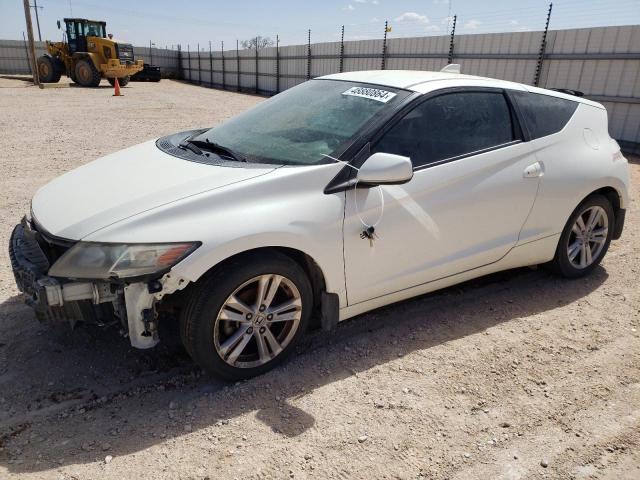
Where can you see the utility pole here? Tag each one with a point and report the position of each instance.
(32, 47)
(35, 8)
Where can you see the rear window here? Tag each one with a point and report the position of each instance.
(543, 114)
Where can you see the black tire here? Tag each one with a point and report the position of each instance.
(121, 81)
(86, 73)
(48, 70)
(198, 322)
(561, 263)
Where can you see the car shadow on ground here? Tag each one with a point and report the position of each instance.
(64, 394)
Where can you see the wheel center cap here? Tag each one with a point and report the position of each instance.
(259, 319)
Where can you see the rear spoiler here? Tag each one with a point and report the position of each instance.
(568, 91)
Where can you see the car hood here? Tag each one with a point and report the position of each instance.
(126, 183)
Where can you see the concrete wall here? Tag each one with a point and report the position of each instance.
(602, 62)
(13, 57)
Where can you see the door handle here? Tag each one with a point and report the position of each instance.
(534, 170)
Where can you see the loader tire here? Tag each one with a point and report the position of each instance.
(48, 70)
(86, 73)
(123, 81)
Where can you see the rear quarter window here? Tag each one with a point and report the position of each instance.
(543, 115)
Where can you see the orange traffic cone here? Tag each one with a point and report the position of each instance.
(116, 86)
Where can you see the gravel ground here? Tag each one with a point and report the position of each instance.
(516, 375)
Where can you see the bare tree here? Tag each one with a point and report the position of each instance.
(258, 43)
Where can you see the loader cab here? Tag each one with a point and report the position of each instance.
(78, 29)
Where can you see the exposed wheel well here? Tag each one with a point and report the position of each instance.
(612, 194)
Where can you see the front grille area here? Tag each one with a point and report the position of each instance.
(32, 251)
(53, 248)
(125, 52)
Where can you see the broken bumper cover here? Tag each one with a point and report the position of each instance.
(50, 298)
(97, 301)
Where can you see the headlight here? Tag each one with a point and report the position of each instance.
(108, 260)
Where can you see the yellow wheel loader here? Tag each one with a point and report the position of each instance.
(87, 55)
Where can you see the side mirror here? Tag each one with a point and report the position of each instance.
(385, 169)
(58, 21)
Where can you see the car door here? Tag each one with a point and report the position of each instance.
(473, 186)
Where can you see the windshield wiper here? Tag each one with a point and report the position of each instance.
(209, 145)
(189, 145)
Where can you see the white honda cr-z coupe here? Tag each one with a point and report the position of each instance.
(338, 196)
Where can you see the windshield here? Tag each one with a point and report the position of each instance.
(94, 29)
(304, 123)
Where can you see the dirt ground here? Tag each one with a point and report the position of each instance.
(517, 375)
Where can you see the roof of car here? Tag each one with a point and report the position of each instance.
(425, 81)
(407, 79)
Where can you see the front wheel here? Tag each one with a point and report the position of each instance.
(86, 73)
(585, 238)
(247, 316)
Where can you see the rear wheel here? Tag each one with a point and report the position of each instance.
(585, 238)
(86, 73)
(248, 316)
(48, 70)
(123, 81)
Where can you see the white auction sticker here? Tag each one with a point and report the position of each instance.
(371, 93)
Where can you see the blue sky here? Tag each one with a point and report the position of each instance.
(168, 23)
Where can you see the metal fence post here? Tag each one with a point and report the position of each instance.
(26, 50)
(256, 64)
(199, 67)
(189, 60)
(309, 55)
(451, 41)
(210, 66)
(238, 65)
(543, 47)
(224, 85)
(277, 64)
(180, 72)
(342, 50)
(384, 45)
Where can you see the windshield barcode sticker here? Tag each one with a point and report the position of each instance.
(370, 93)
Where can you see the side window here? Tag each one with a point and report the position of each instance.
(448, 126)
(71, 31)
(543, 114)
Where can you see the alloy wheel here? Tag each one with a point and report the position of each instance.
(588, 237)
(257, 321)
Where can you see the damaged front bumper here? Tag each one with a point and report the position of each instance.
(32, 253)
